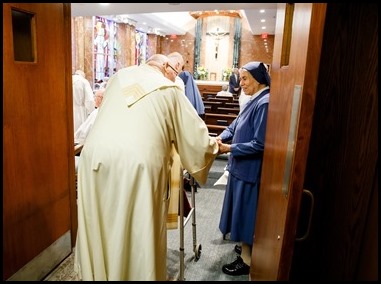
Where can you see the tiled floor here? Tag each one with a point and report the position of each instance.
(64, 272)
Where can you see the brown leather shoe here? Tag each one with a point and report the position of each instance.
(236, 268)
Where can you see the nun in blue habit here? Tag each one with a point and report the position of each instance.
(192, 92)
(244, 139)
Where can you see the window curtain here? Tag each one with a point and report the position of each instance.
(237, 41)
(197, 46)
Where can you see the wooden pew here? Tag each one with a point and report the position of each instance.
(208, 95)
(215, 130)
(219, 119)
(208, 87)
(208, 108)
(227, 110)
(213, 105)
(221, 99)
(232, 105)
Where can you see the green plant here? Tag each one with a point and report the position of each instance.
(202, 72)
(226, 74)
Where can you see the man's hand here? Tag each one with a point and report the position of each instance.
(223, 148)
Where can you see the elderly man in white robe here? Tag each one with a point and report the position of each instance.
(83, 98)
(124, 174)
(84, 129)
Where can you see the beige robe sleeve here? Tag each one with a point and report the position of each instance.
(191, 134)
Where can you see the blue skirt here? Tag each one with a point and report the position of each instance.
(239, 210)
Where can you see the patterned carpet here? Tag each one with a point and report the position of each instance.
(64, 272)
(211, 249)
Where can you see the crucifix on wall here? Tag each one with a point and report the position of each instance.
(217, 35)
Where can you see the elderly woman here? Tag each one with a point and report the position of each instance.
(244, 138)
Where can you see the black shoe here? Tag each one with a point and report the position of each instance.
(236, 268)
(238, 249)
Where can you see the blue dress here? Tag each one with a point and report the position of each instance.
(192, 92)
(247, 135)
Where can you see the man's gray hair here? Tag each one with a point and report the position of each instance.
(158, 61)
(176, 57)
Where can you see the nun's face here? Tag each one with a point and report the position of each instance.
(248, 84)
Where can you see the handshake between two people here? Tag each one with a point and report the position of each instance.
(222, 147)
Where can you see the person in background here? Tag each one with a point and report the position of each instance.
(82, 132)
(185, 80)
(104, 83)
(192, 93)
(176, 61)
(234, 86)
(83, 98)
(124, 174)
(244, 139)
(224, 91)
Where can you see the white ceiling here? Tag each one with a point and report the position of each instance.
(167, 18)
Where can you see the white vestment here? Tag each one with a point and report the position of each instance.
(84, 129)
(123, 177)
(83, 100)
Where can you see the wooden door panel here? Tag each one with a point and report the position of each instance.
(342, 161)
(38, 174)
(278, 204)
(336, 151)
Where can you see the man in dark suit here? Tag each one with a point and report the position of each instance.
(234, 86)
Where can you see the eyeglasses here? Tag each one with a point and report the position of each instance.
(172, 68)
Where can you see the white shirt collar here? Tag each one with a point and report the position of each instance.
(260, 91)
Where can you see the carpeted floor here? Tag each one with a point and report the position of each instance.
(211, 249)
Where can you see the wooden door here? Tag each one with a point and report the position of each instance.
(336, 164)
(342, 171)
(38, 161)
(288, 129)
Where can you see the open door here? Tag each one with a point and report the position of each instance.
(317, 211)
(299, 32)
(38, 161)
